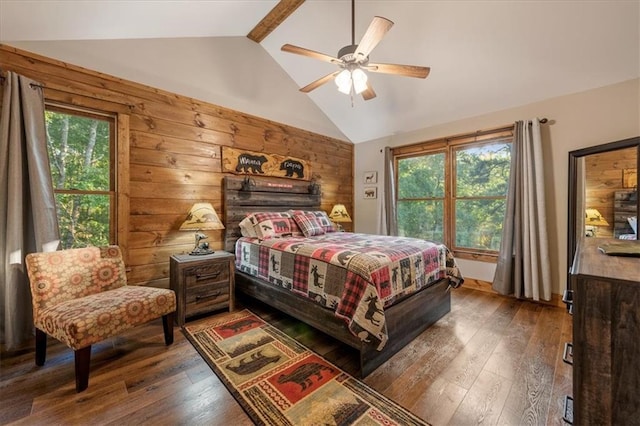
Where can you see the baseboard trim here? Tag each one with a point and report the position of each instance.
(556, 299)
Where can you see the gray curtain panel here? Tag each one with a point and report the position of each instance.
(522, 268)
(390, 209)
(28, 221)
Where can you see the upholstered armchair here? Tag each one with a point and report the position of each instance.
(81, 297)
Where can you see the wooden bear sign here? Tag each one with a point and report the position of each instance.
(242, 162)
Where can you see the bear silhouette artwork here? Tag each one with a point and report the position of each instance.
(253, 363)
(302, 375)
(248, 163)
(292, 166)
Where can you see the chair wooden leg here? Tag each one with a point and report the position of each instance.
(41, 347)
(167, 325)
(82, 361)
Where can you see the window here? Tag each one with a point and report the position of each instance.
(421, 196)
(453, 191)
(81, 147)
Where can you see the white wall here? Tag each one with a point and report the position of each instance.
(577, 121)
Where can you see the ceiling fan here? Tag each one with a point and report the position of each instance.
(353, 60)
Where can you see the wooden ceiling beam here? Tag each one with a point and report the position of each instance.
(275, 17)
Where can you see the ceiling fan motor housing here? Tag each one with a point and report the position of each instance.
(346, 54)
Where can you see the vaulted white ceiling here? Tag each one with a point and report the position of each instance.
(484, 55)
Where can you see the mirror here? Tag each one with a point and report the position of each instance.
(603, 193)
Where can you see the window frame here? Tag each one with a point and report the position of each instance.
(450, 146)
(116, 145)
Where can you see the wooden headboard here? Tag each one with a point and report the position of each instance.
(250, 194)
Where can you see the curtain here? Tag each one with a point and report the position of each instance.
(389, 225)
(524, 250)
(28, 220)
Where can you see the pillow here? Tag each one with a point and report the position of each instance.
(322, 218)
(273, 224)
(247, 227)
(308, 224)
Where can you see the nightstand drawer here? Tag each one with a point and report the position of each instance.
(206, 298)
(211, 273)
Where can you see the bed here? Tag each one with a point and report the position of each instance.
(385, 310)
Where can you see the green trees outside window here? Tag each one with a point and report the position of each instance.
(80, 149)
(421, 190)
(482, 181)
(455, 195)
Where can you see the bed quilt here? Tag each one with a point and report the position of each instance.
(355, 275)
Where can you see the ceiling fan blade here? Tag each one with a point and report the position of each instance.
(310, 53)
(319, 82)
(368, 93)
(397, 69)
(377, 29)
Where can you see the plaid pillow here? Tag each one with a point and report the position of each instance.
(273, 224)
(321, 216)
(308, 224)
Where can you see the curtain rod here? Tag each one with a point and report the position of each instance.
(42, 86)
(543, 120)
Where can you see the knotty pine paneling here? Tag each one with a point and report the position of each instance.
(603, 177)
(174, 156)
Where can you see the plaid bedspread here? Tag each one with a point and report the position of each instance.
(355, 275)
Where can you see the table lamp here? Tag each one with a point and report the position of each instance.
(202, 216)
(339, 214)
(593, 219)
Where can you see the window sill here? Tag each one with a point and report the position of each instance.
(480, 257)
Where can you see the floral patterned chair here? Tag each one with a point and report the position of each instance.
(80, 297)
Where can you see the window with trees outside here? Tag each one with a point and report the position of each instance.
(453, 191)
(81, 147)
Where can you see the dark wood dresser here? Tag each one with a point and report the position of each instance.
(606, 336)
(202, 284)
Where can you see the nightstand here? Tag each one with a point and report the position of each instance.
(203, 284)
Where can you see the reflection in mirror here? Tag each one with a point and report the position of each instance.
(609, 192)
(603, 193)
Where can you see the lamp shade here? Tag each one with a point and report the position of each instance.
(343, 81)
(339, 214)
(202, 216)
(349, 79)
(594, 218)
(359, 78)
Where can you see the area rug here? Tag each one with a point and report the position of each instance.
(278, 381)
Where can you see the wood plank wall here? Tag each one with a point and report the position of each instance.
(174, 156)
(603, 177)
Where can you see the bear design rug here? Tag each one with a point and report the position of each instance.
(278, 381)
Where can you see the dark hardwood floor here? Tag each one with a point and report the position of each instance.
(492, 360)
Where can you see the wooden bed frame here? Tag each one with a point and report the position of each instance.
(406, 319)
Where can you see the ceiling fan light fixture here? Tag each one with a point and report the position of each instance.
(343, 81)
(353, 61)
(359, 78)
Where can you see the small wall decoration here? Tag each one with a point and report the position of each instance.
(243, 162)
(629, 178)
(370, 192)
(370, 177)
